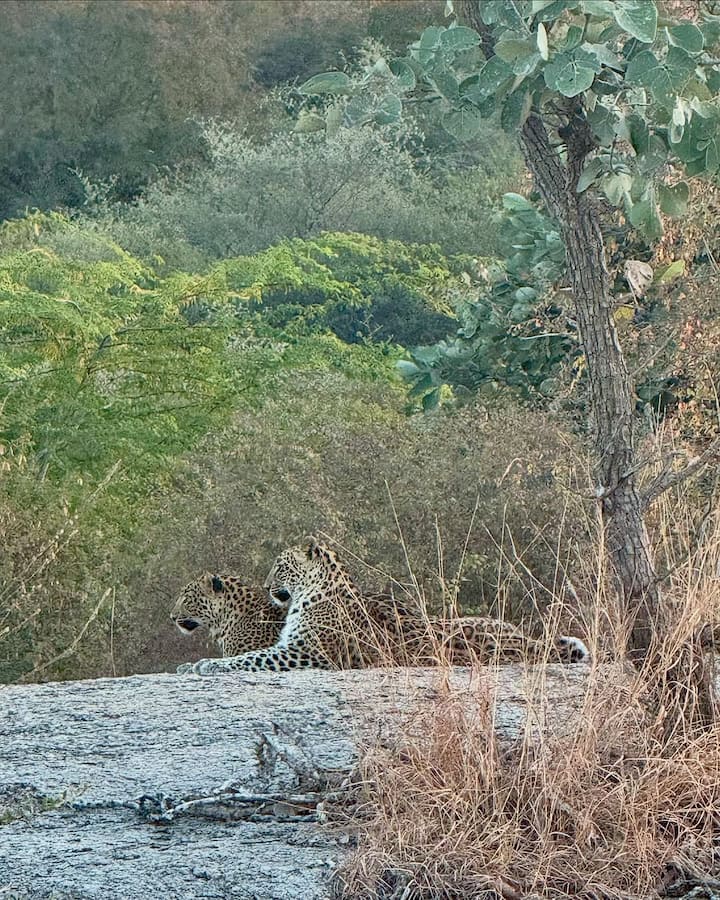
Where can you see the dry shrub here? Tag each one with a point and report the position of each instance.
(56, 580)
(594, 800)
(603, 813)
(324, 456)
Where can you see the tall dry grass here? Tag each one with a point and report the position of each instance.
(601, 801)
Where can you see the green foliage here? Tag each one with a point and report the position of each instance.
(647, 92)
(111, 373)
(359, 287)
(511, 333)
(99, 365)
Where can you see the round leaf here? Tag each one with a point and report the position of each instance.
(688, 37)
(404, 73)
(459, 38)
(463, 123)
(674, 200)
(638, 18)
(327, 83)
(389, 110)
(571, 73)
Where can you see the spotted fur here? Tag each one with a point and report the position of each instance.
(239, 618)
(330, 625)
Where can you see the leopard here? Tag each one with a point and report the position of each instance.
(238, 617)
(330, 624)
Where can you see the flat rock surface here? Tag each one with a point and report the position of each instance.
(94, 774)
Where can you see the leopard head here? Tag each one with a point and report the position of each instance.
(210, 599)
(302, 569)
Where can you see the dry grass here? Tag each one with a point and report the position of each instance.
(603, 801)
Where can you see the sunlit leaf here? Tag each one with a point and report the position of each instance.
(638, 18)
(327, 83)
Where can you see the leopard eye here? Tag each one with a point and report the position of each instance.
(217, 584)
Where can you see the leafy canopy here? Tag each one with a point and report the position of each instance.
(647, 85)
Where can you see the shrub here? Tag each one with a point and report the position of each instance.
(332, 454)
(250, 196)
(587, 795)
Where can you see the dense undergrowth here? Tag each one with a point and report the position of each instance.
(155, 424)
(592, 798)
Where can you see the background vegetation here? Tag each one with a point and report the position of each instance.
(224, 327)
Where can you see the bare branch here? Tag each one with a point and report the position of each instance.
(669, 478)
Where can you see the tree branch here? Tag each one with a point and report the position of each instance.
(469, 12)
(669, 478)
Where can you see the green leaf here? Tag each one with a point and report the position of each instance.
(424, 50)
(446, 84)
(654, 157)
(327, 83)
(602, 53)
(513, 48)
(525, 294)
(463, 123)
(515, 110)
(407, 368)
(671, 272)
(603, 122)
(359, 110)
(404, 73)
(571, 73)
(698, 135)
(589, 174)
(573, 37)
(492, 76)
(616, 187)
(459, 38)
(389, 110)
(687, 36)
(638, 18)
(645, 216)
(639, 133)
(662, 78)
(542, 42)
(674, 200)
(516, 203)
(431, 37)
(520, 312)
(431, 401)
(599, 8)
(712, 155)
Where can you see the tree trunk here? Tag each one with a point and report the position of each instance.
(611, 402)
(686, 689)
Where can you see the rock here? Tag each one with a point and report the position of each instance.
(187, 787)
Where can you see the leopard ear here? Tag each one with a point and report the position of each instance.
(312, 547)
(207, 581)
(218, 584)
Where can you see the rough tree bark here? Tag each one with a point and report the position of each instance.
(612, 408)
